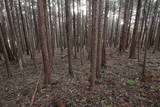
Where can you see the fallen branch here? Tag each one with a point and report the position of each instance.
(35, 91)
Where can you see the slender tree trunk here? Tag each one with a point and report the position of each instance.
(157, 39)
(51, 27)
(4, 51)
(12, 31)
(105, 33)
(24, 29)
(60, 28)
(117, 24)
(6, 37)
(129, 23)
(74, 30)
(111, 39)
(99, 43)
(142, 27)
(35, 26)
(145, 51)
(68, 33)
(49, 38)
(95, 7)
(153, 24)
(123, 38)
(132, 52)
(19, 43)
(43, 39)
(90, 28)
(145, 22)
(55, 26)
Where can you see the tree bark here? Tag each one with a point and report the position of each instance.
(99, 43)
(132, 52)
(4, 51)
(105, 33)
(95, 4)
(68, 34)
(43, 40)
(123, 38)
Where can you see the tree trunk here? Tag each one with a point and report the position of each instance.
(105, 33)
(4, 51)
(43, 39)
(99, 43)
(157, 39)
(24, 28)
(123, 38)
(95, 7)
(132, 52)
(68, 33)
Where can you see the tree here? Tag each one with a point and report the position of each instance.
(129, 23)
(118, 24)
(153, 24)
(60, 28)
(112, 28)
(12, 33)
(99, 41)
(68, 33)
(123, 38)
(74, 30)
(5, 54)
(24, 28)
(43, 39)
(157, 40)
(105, 33)
(146, 34)
(93, 59)
(132, 52)
(142, 27)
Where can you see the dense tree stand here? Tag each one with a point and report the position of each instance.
(79, 53)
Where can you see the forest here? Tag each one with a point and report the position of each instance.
(79, 53)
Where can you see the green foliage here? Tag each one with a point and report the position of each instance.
(131, 82)
(43, 91)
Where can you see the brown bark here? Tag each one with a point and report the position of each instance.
(117, 25)
(123, 38)
(90, 28)
(51, 27)
(74, 30)
(60, 28)
(99, 43)
(111, 39)
(43, 40)
(4, 51)
(12, 30)
(5, 36)
(157, 39)
(153, 24)
(105, 33)
(142, 27)
(24, 28)
(49, 38)
(129, 23)
(68, 34)
(95, 11)
(132, 52)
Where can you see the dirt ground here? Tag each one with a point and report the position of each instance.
(119, 85)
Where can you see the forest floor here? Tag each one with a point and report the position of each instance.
(119, 85)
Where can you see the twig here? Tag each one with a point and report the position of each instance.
(35, 91)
